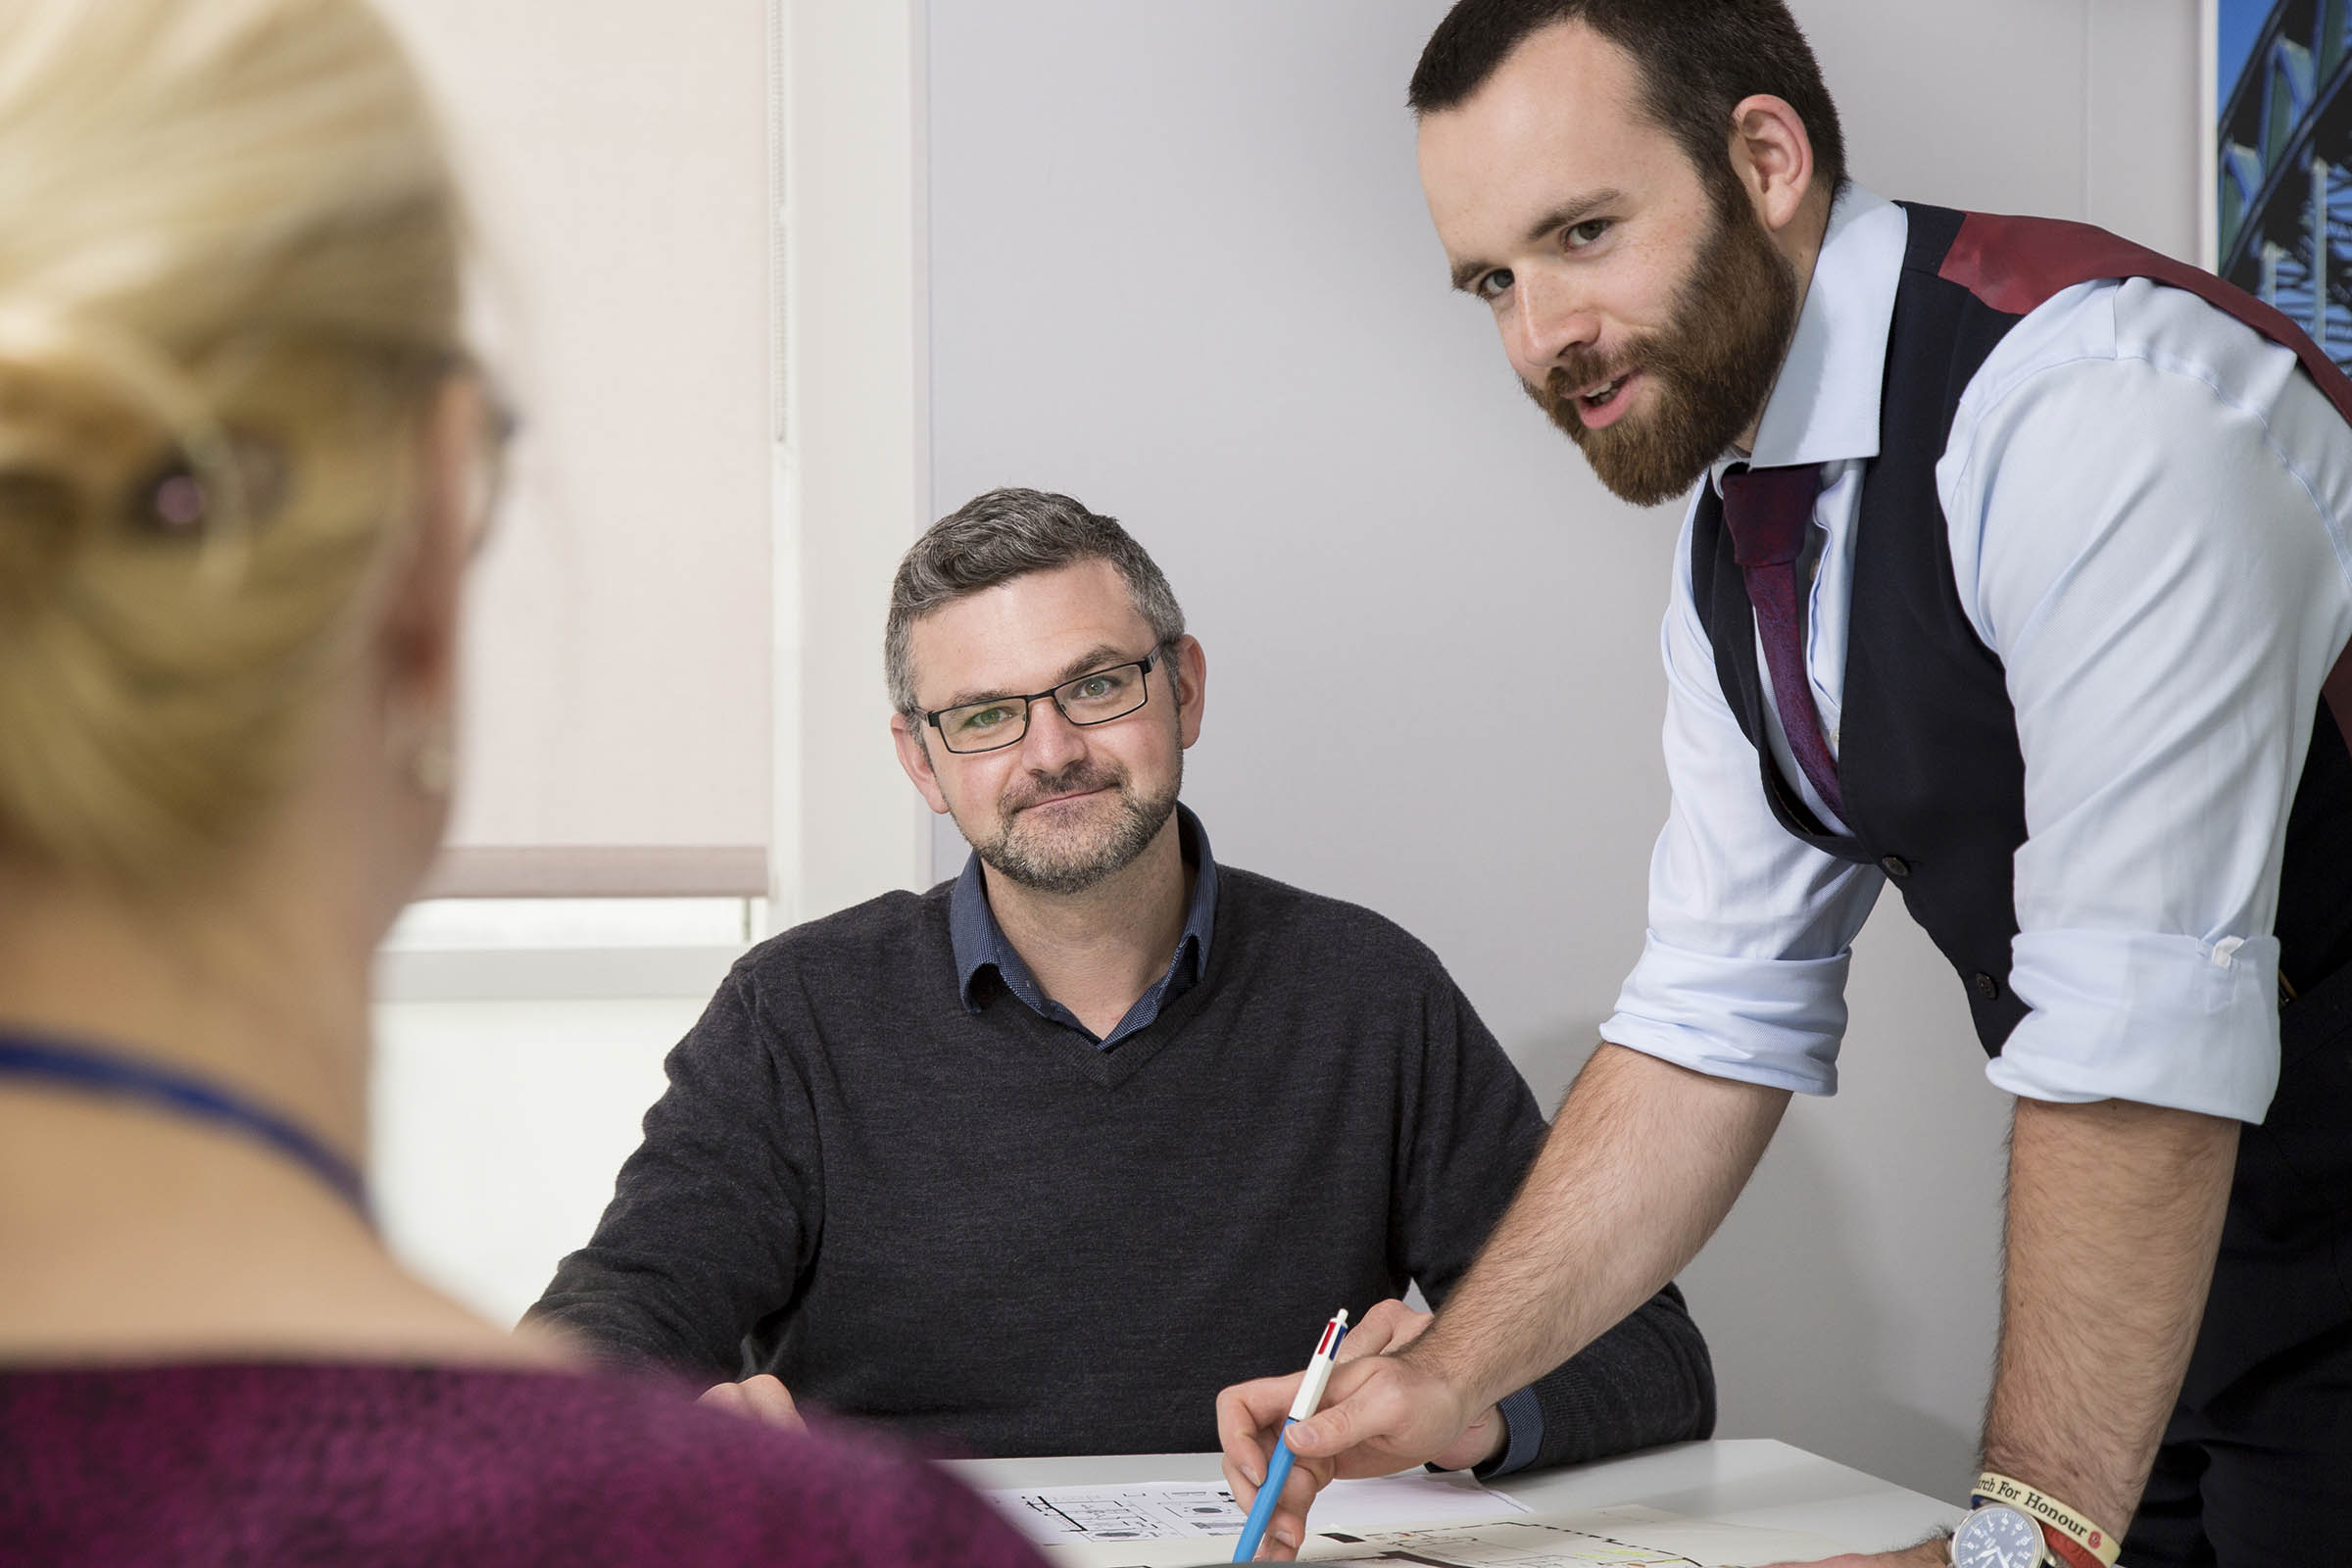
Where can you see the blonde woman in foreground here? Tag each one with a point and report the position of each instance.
(242, 455)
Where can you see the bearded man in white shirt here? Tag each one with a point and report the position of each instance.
(2016, 575)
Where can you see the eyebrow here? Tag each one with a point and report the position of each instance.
(1093, 658)
(1567, 214)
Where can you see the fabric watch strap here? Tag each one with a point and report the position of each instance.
(2073, 1537)
(1767, 511)
(2064, 1549)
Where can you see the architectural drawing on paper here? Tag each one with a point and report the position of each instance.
(1144, 1511)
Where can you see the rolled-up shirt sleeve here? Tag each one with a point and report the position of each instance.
(1743, 975)
(2101, 999)
(2160, 567)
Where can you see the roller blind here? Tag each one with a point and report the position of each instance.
(617, 730)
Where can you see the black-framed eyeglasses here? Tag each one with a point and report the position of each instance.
(1094, 698)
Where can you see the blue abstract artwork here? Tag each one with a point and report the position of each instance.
(2282, 208)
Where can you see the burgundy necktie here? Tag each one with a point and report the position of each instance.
(1768, 510)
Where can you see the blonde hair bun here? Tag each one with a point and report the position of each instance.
(228, 288)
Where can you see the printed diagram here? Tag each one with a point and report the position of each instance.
(1147, 1525)
(1151, 1511)
(1515, 1546)
(1623, 1535)
(1103, 1525)
(1514, 1543)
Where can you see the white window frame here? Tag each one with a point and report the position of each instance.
(847, 111)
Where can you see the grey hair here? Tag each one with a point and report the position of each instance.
(994, 538)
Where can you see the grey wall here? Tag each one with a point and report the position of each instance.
(1178, 267)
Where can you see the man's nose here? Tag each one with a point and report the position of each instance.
(1052, 742)
(1549, 319)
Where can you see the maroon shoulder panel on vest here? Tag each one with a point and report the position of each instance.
(2015, 264)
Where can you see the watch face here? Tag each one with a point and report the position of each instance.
(1995, 1537)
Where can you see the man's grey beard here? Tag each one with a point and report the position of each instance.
(1074, 861)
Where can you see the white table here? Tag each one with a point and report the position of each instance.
(1747, 1481)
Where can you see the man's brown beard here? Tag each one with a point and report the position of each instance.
(1072, 863)
(1713, 365)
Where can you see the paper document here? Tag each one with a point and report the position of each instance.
(1629, 1535)
(1626, 1536)
(1144, 1510)
(1169, 1510)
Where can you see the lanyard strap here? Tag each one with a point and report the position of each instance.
(102, 1072)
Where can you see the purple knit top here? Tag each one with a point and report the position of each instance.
(359, 1465)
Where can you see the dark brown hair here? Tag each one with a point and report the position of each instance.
(1697, 60)
(996, 538)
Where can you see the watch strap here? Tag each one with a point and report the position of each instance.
(2076, 1539)
(2065, 1550)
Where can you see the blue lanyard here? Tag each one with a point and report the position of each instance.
(101, 1072)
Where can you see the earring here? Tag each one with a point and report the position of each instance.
(432, 765)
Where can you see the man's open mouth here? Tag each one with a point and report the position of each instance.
(1599, 397)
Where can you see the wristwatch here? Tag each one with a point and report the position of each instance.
(2066, 1538)
(1998, 1536)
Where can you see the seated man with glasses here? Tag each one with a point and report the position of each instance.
(993, 1164)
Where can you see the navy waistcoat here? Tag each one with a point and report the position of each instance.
(1934, 781)
(1928, 759)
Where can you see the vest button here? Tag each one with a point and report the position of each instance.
(1896, 866)
(1986, 986)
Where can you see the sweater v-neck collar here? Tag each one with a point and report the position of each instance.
(1113, 1067)
(1020, 1027)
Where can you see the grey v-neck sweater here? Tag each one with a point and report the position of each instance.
(979, 1229)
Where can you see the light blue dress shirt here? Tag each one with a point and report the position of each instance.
(2150, 516)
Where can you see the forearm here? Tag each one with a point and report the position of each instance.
(1641, 1166)
(1647, 1381)
(2115, 1215)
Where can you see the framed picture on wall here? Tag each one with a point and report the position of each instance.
(2278, 181)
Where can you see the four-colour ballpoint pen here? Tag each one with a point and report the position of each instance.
(1278, 1469)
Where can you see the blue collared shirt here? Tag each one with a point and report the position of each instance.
(979, 944)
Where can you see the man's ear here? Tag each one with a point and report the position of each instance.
(1188, 673)
(1772, 156)
(916, 758)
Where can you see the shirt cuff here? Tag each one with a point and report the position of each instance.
(1523, 1421)
(2140, 1015)
(1777, 1022)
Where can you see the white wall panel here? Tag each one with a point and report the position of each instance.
(1179, 267)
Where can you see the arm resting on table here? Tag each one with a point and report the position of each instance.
(709, 1217)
